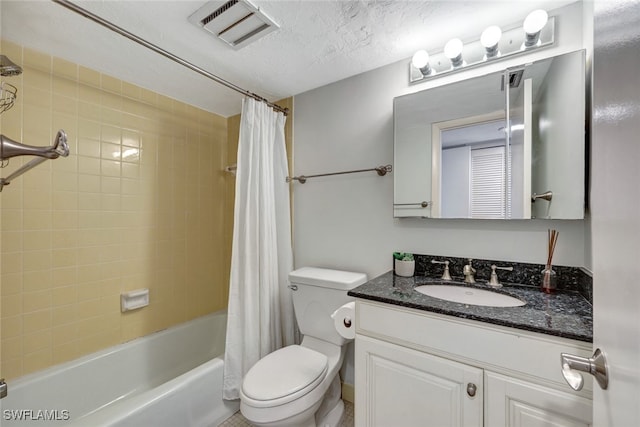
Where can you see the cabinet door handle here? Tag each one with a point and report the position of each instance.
(471, 389)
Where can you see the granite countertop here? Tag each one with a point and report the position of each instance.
(564, 313)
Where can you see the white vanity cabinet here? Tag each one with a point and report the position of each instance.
(405, 387)
(416, 368)
(518, 403)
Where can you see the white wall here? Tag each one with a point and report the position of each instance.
(346, 221)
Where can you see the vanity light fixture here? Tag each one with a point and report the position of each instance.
(420, 60)
(533, 24)
(489, 39)
(453, 51)
(495, 43)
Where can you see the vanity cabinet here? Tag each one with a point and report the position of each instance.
(405, 387)
(517, 403)
(415, 368)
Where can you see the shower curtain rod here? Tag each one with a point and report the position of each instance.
(95, 18)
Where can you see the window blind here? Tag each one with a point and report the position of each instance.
(488, 183)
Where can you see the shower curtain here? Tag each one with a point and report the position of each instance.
(260, 310)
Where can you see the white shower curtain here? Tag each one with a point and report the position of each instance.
(260, 311)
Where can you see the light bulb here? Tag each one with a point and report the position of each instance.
(533, 24)
(453, 51)
(420, 60)
(489, 39)
(535, 21)
(453, 48)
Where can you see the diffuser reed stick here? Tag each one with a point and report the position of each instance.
(553, 239)
(548, 275)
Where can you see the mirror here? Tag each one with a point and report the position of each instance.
(487, 147)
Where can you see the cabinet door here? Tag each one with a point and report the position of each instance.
(400, 387)
(516, 403)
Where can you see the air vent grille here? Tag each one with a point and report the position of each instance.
(218, 11)
(515, 78)
(235, 22)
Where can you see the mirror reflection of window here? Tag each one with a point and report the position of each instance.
(476, 177)
(488, 183)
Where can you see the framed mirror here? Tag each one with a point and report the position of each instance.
(506, 145)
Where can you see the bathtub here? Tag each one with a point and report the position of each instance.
(171, 378)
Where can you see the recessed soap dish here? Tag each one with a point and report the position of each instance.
(134, 299)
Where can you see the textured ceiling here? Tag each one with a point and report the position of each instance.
(319, 42)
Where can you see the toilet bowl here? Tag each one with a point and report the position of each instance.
(299, 385)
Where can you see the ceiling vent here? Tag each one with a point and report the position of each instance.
(515, 78)
(235, 22)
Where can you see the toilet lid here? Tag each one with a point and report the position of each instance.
(290, 371)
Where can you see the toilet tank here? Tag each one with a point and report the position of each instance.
(317, 293)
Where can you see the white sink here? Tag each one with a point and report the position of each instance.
(471, 296)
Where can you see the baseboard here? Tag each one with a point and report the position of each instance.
(347, 392)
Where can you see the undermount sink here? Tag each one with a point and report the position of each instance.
(468, 295)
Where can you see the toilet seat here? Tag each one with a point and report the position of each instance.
(283, 376)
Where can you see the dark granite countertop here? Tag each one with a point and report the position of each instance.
(564, 313)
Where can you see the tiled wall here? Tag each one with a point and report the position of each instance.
(141, 202)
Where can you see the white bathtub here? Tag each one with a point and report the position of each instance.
(172, 378)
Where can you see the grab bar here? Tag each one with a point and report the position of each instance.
(10, 148)
(381, 170)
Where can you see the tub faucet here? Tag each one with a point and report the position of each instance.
(469, 272)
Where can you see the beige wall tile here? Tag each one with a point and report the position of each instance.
(64, 315)
(63, 352)
(37, 360)
(36, 301)
(12, 368)
(36, 321)
(11, 305)
(11, 283)
(38, 280)
(88, 77)
(12, 348)
(11, 327)
(63, 295)
(140, 202)
(37, 341)
(66, 69)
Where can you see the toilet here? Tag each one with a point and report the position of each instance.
(299, 385)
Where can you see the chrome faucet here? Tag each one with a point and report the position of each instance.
(445, 274)
(469, 272)
(494, 282)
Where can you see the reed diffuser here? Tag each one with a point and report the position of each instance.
(548, 275)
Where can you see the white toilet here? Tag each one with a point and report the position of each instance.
(299, 385)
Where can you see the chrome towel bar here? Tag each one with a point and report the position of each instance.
(381, 170)
(422, 204)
